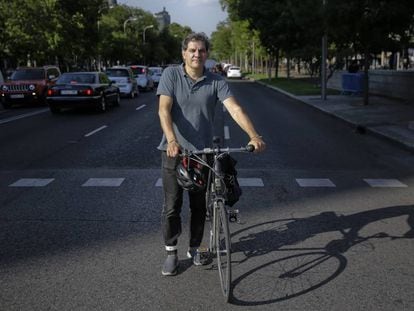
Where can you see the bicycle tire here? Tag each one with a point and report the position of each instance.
(223, 249)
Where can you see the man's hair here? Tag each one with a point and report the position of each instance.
(195, 36)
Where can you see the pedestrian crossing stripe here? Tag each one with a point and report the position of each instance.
(32, 182)
(103, 182)
(315, 182)
(385, 183)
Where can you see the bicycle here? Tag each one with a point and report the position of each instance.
(217, 213)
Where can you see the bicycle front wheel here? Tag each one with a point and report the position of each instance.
(223, 249)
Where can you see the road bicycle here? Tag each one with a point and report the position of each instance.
(218, 214)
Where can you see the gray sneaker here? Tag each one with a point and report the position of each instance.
(200, 256)
(170, 265)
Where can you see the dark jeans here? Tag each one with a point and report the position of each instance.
(173, 201)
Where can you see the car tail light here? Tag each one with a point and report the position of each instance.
(51, 92)
(87, 92)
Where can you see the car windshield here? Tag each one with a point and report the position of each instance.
(138, 70)
(28, 74)
(77, 78)
(234, 68)
(117, 73)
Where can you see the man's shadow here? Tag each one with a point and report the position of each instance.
(287, 235)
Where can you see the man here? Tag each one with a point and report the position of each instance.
(187, 98)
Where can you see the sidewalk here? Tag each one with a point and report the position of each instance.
(384, 117)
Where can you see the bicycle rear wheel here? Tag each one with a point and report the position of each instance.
(223, 249)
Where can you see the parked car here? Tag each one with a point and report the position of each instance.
(124, 78)
(156, 73)
(28, 84)
(143, 76)
(1, 77)
(83, 89)
(234, 72)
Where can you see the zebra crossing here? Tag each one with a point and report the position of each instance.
(244, 182)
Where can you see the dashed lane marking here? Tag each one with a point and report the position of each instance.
(140, 107)
(23, 116)
(384, 183)
(315, 182)
(95, 131)
(226, 132)
(32, 182)
(103, 182)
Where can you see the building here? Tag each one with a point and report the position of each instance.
(163, 18)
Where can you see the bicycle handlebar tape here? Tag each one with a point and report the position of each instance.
(250, 148)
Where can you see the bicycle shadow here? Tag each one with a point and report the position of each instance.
(303, 269)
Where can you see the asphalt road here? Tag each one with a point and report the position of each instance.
(327, 214)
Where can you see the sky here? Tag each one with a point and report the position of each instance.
(199, 15)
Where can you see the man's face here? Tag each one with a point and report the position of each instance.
(195, 55)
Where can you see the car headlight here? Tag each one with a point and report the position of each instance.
(4, 88)
(32, 87)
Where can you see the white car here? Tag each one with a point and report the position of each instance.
(156, 73)
(143, 76)
(125, 80)
(234, 72)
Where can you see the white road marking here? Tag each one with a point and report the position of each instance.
(243, 182)
(140, 107)
(315, 182)
(250, 182)
(95, 131)
(384, 183)
(23, 116)
(32, 182)
(103, 182)
(226, 132)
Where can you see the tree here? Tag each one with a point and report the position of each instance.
(369, 27)
(285, 25)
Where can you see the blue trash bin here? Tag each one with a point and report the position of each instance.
(353, 83)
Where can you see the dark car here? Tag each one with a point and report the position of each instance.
(28, 85)
(83, 89)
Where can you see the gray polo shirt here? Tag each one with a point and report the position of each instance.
(193, 106)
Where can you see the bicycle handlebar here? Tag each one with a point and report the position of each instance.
(248, 148)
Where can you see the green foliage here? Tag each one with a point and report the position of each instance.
(78, 32)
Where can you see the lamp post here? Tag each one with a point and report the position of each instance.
(143, 40)
(100, 9)
(143, 33)
(133, 19)
(324, 56)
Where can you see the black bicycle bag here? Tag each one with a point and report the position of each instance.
(233, 190)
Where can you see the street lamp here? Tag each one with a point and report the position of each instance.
(143, 40)
(133, 19)
(143, 33)
(100, 9)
